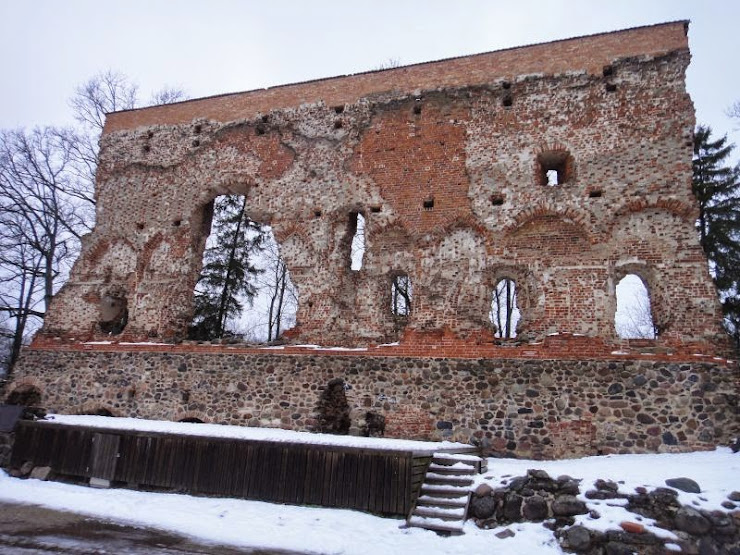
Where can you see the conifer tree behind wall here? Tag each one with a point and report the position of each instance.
(225, 281)
(716, 185)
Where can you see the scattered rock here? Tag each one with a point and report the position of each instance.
(26, 468)
(632, 527)
(483, 490)
(482, 507)
(692, 521)
(568, 486)
(619, 548)
(538, 475)
(568, 505)
(513, 507)
(684, 484)
(594, 514)
(606, 485)
(40, 473)
(505, 533)
(535, 508)
(601, 494)
(578, 538)
(729, 505)
(734, 496)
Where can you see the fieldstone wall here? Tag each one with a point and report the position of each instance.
(532, 408)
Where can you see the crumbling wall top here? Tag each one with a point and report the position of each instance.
(590, 53)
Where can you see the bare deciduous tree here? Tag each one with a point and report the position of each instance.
(47, 200)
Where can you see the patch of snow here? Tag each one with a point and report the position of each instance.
(98, 343)
(144, 343)
(620, 352)
(394, 344)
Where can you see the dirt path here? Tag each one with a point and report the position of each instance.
(35, 530)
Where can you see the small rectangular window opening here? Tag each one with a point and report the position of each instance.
(429, 204)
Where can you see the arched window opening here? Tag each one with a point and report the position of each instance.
(633, 318)
(504, 314)
(244, 290)
(26, 395)
(191, 420)
(401, 293)
(357, 247)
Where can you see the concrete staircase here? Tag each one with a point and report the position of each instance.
(442, 505)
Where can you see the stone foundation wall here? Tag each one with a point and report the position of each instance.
(529, 408)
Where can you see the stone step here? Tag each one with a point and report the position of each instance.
(436, 524)
(443, 513)
(451, 479)
(460, 460)
(458, 468)
(444, 490)
(433, 501)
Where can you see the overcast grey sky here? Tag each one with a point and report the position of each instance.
(215, 46)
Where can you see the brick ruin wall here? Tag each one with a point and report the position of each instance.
(445, 161)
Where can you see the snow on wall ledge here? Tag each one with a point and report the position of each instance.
(534, 408)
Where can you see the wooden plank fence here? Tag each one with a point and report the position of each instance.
(377, 481)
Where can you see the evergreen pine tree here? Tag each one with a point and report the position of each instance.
(717, 188)
(225, 280)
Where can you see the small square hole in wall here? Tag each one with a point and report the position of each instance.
(507, 101)
(265, 118)
(429, 204)
(317, 213)
(338, 109)
(506, 85)
(150, 134)
(375, 209)
(259, 130)
(608, 71)
(595, 193)
(197, 129)
(177, 223)
(146, 148)
(555, 167)
(139, 226)
(497, 200)
(611, 87)
(338, 124)
(417, 109)
(196, 143)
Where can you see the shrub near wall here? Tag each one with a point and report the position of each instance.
(528, 408)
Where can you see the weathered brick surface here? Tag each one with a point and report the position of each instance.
(387, 146)
(540, 408)
(446, 163)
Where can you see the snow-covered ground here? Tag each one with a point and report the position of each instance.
(318, 530)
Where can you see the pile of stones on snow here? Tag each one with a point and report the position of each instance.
(537, 497)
